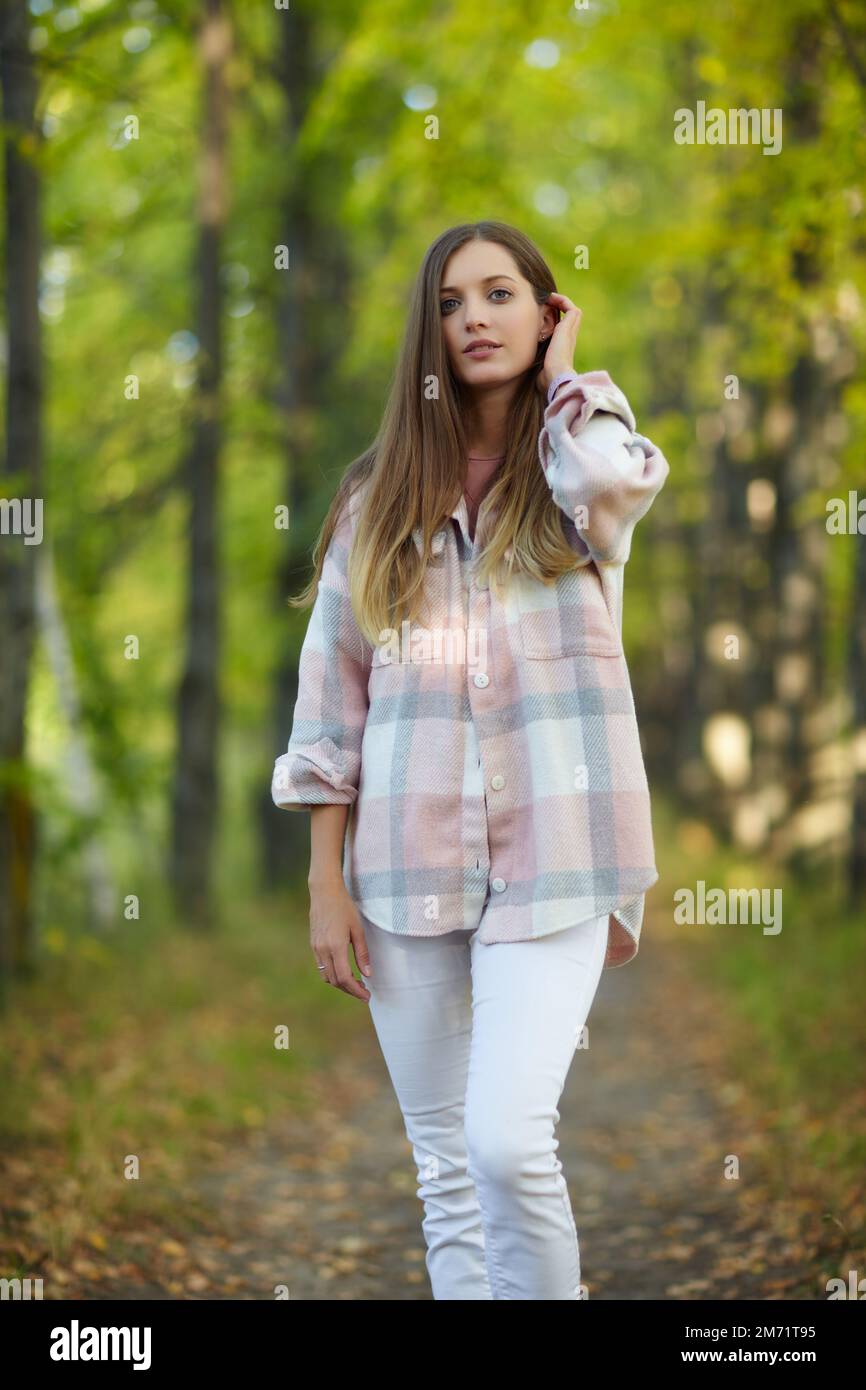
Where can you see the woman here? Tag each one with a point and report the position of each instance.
(500, 842)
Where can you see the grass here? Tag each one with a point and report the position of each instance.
(150, 1046)
(793, 1024)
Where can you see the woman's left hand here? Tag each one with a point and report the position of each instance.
(559, 357)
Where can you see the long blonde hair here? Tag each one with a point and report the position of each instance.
(413, 473)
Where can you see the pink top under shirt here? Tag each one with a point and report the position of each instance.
(479, 480)
(480, 468)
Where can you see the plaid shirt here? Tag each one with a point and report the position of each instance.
(492, 759)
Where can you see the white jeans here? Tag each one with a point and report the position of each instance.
(478, 1041)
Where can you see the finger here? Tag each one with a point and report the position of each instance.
(564, 339)
(359, 946)
(326, 958)
(345, 979)
(569, 325)
(567, 304)
(320, 953)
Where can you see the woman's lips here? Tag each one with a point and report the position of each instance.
(481, 351)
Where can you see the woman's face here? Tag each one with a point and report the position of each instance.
(484, 295)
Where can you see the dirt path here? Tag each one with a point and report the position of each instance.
(328, 1208)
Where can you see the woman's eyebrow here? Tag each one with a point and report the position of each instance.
(452, 289)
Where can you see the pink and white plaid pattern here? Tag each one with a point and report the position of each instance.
(492, 759)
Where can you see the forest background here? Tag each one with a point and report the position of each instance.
(213, 214)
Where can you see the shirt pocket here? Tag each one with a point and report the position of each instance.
(567, 618)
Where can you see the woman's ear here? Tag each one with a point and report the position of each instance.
(549, 320)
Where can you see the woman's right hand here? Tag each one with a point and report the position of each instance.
(559, 356)
(335, 923)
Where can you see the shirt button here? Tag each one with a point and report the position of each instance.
(497, 782)
(481, 680)
(498, 885)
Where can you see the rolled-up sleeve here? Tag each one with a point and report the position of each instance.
(601, 472)
(322, 764)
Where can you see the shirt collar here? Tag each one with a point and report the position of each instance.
(460, 514)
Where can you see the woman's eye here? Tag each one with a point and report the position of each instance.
(444, 303)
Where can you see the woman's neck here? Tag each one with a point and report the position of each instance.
(485, 424)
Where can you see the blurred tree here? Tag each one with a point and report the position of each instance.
(310, 317)
(21, 480)
(196, 780)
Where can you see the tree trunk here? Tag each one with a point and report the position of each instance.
(80, 775)
(309, 328)
(20, 485)
(196, 788)
(791, 725)
(857, 670)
